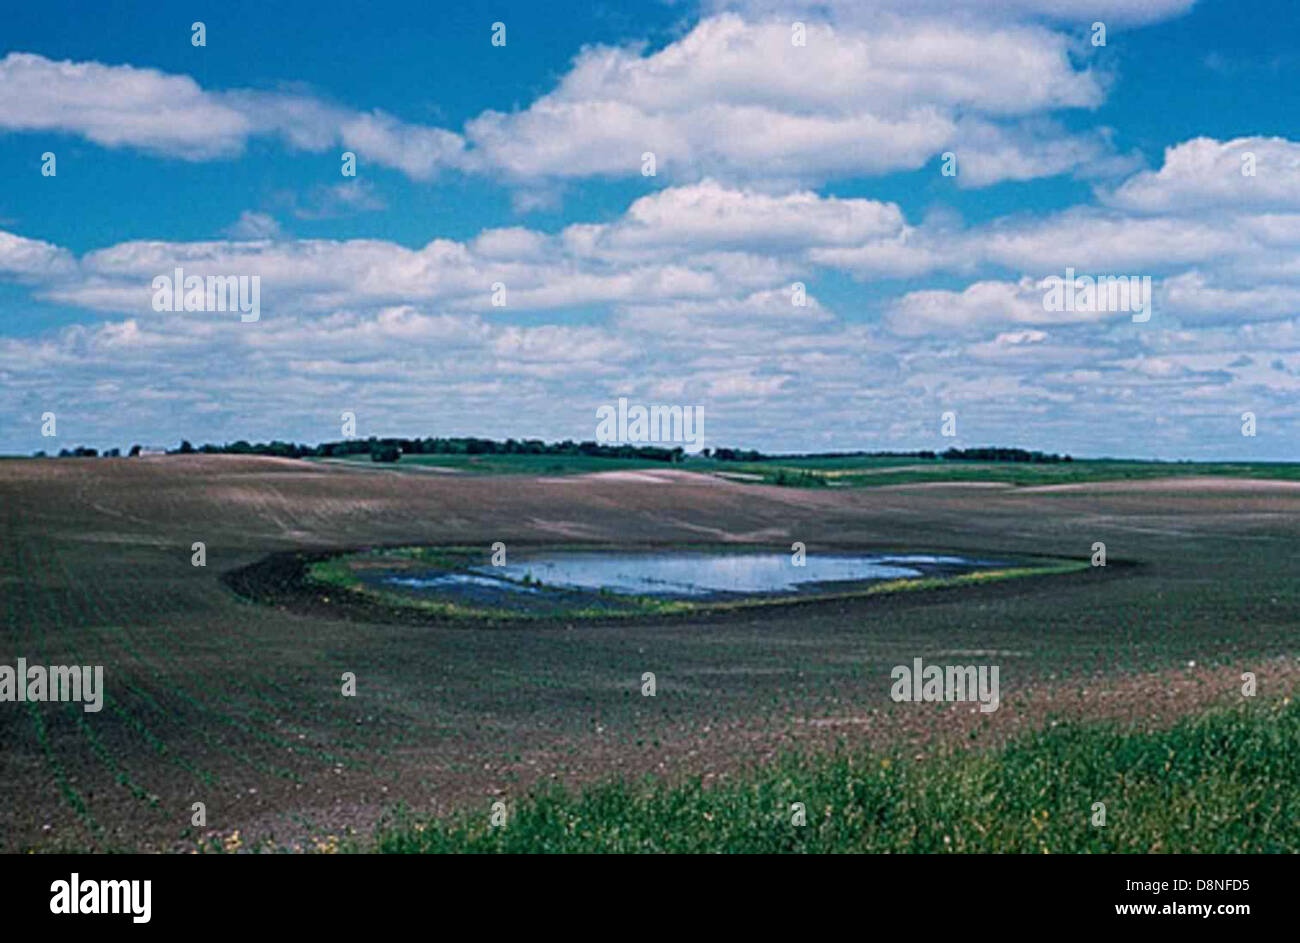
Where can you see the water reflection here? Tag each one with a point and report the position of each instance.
(685, 574)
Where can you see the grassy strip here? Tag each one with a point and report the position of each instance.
(1225, 782)
(975, 576)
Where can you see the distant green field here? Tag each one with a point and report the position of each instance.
(852, 471)
(871, 472)
(1228, 782)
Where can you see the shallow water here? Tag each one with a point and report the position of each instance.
(454, 580)
(689, 574)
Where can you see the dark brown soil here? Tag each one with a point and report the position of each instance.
(235, 703)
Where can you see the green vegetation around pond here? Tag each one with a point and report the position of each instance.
(453, 583)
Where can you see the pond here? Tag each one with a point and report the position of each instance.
(688, 574)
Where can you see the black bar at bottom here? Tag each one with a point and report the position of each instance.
(302, 893)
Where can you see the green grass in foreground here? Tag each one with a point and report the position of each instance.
(1225, 782)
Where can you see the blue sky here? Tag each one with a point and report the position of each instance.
(521, 165)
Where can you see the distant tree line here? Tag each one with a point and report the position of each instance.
(80, 452)
(994, 454)
(391, 449)
(734, 455)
